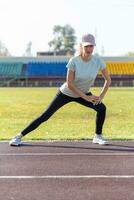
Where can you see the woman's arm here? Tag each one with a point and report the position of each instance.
(71, 86)
(106, 85)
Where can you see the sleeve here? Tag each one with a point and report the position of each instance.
(71, 64)
(102, 64)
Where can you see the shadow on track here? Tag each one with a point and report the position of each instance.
(109, 147)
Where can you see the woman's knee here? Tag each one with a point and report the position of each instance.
(101, 108)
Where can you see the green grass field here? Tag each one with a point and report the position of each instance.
(19, 106)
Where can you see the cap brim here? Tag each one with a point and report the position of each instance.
(88, 43)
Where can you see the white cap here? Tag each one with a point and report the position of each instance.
(88, 39)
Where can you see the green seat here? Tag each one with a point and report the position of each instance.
(11, 69)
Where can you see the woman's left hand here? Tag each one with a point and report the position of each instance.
(98, 101)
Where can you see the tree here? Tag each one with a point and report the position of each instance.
(28, 49)
(130, 54)
(64, 39)
(3, 50)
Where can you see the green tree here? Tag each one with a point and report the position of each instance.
(130, 53)
(64, 39)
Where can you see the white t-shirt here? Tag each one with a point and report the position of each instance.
(85, 73)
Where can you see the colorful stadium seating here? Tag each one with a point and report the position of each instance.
(10, 69)
(52, 71)
(120, 68)
(36, 69)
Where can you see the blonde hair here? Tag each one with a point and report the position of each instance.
(79, 51)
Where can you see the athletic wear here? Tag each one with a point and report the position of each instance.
(59, 101)
(99, 140)
(16, 141)
(85, 73)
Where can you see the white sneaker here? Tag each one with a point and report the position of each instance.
(99, 140)
(16, 141)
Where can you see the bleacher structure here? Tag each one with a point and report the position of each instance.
(9, 72)
(51, 71)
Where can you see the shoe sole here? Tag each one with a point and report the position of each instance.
(15, 145)
(107, 143)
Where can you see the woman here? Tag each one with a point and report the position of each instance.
(82, 71)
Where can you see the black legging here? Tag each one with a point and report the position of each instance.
(61, 99)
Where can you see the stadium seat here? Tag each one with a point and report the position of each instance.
(46, 69)
(10, 69)
(120, 68)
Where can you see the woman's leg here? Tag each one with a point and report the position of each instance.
(100, 116)
(58, 101)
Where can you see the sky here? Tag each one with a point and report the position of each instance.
(111, 21)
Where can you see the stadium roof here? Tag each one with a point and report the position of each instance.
(57, 59)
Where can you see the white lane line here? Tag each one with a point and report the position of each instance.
(70, 177)
(67, 154)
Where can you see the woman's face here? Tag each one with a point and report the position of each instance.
(88, 49)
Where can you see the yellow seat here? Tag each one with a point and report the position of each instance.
(120, 68)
